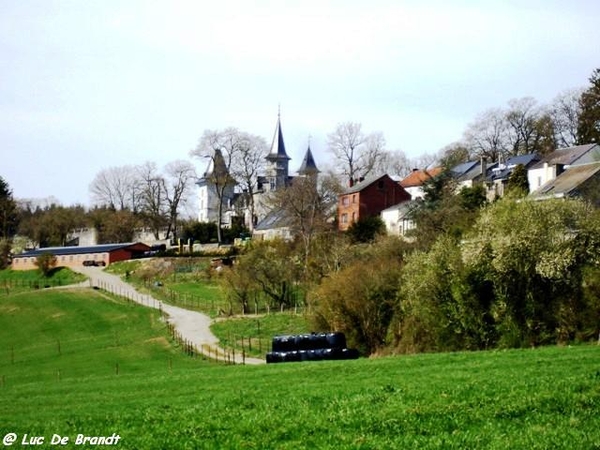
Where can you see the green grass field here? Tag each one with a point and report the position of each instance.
(523, 399)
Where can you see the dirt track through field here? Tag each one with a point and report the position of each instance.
(191, 325)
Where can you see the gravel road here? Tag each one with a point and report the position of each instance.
(193, 326)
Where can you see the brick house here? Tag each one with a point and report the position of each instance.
(368, 198)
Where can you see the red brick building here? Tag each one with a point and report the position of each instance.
(368, 198)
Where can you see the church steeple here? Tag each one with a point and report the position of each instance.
(308, 166)
(277, 159)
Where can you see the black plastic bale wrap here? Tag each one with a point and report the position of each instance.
(310, 347)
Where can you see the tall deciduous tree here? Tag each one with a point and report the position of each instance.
(358, 154)
(588, 126)
(178, 181)
(487, 135)
(246, 167)
(307, 205)
(153, 198)
(116, 187)
(565, 110)
(223, 148)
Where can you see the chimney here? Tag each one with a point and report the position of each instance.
(351, 182)
(483, 168)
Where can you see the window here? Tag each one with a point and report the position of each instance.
(354, 198)
(539, 181)
(344, 218)
(345, 201)
(354, 217)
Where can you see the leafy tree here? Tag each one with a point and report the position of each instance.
(45, 262)
(360, 299)
(439, 308)
(9, 220)
(113, 226)
(273, 268)
(366, 229)
(472, 198)
(202, 232)
(535, 254)
(588, 125)
(8, 211)
(444, 212)
(51, 225)
(518, 183)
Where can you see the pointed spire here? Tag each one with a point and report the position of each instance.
(217, 167)
(308, 165)
(278, 146)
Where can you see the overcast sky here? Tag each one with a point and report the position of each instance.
(90, 84)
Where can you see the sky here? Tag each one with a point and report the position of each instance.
(88, 85)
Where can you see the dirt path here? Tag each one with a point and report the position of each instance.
(193, 326)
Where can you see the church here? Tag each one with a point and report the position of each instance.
(235, 205)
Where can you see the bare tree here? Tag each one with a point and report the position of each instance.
(179, 178)
(394, 163)
(487, 135)
(565, 110)
(153, 198)
(359, 154)
(246, 166)
(307, 205)
(222, 148)
(116, 187)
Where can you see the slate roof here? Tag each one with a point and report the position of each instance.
(58, 251)
(475, 171)
(503, 171)
(274, 219)
(419, 177)
(569, 181)
(565, 156)
(461, 169)
(363, 184)
(308, 164)
(278, 146)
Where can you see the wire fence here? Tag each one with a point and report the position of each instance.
(187, 301)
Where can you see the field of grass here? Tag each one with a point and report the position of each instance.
(84, 362)
(12, 281)
(253, 334)
(523, 399)
(50, 335)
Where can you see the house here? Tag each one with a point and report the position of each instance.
(413, 183)
(498, 178)
(471, 173)
(274, 226)
(368, 198)
(581, 180)
(552, 165)
(398, 219)
(101, 255)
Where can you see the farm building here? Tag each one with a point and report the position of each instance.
(100, 255)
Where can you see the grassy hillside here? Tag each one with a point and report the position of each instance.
(544, 398)
(55, 334)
